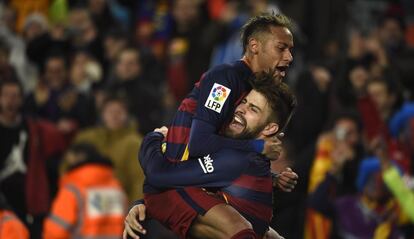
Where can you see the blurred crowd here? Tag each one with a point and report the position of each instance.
(81, 73)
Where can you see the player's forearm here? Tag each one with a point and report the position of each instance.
(201, 172)
(150, 152)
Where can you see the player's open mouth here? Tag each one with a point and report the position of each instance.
(282, 70)
(238, 122)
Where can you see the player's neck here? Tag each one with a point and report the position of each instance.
(251, 62)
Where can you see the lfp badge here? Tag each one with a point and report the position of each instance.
(217, 97)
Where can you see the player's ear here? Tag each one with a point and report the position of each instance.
(253, 45)
(270, 129)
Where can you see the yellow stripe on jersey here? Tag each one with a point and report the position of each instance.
(186, 154)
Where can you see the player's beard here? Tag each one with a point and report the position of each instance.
(247, 133)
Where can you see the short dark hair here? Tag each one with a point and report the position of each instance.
(281, 99)
(6, 82)
(118, 98)
(262, 23)
(90, 155)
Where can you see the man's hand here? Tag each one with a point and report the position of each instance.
(286, 180)
(272, 234)
(131, 223)
(273, 147)
(163, 130)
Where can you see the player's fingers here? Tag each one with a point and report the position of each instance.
(128, 231)
(134, 224)
(141, 212)
(287, 182)
(286, 187)
(132, 221)
(290, 175)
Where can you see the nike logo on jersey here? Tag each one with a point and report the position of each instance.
(206, 164)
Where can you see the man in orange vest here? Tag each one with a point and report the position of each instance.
(90, 201)
(10, 225)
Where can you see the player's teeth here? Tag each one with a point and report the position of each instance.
(238, 120)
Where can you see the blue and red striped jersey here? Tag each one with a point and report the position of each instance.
(200, 116)
(243, 177)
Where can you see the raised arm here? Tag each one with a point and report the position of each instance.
(215, 170)
(218, 96)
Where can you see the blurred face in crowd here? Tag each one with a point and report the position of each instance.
(8, 18)
(250, 118)
(380, 95)
(81, 26)
(185, 12)
(346, 130)
(114, 115)
(358, 77)
(273, 49)
(78, 18)
(97, 6)
(33, 30)
(10, 99)
(55, 72)
(391, 33)
(128, 66)
(375, 188)
(113, 46)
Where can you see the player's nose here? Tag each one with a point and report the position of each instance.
(288, 56)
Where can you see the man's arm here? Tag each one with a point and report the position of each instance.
(218, 170)
(211, 114)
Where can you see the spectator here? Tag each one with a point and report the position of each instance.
(391, 29)
(385, 97)
(90, 201)
(101, 15)
(117, 139)
(189, 49)
(114, 41)
(85, 72)
(10, 225)
(340, 145)
(56, 99)
(401, 128)
(372, 213)
(7, 71)
(83, 33)
(142, 95)
(27, 166)
(313, 92)
(392, 177)
(16, 56)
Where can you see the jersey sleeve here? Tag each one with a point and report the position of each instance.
(213, 170)
(217, 99)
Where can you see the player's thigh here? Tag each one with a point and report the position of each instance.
(222, 220)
